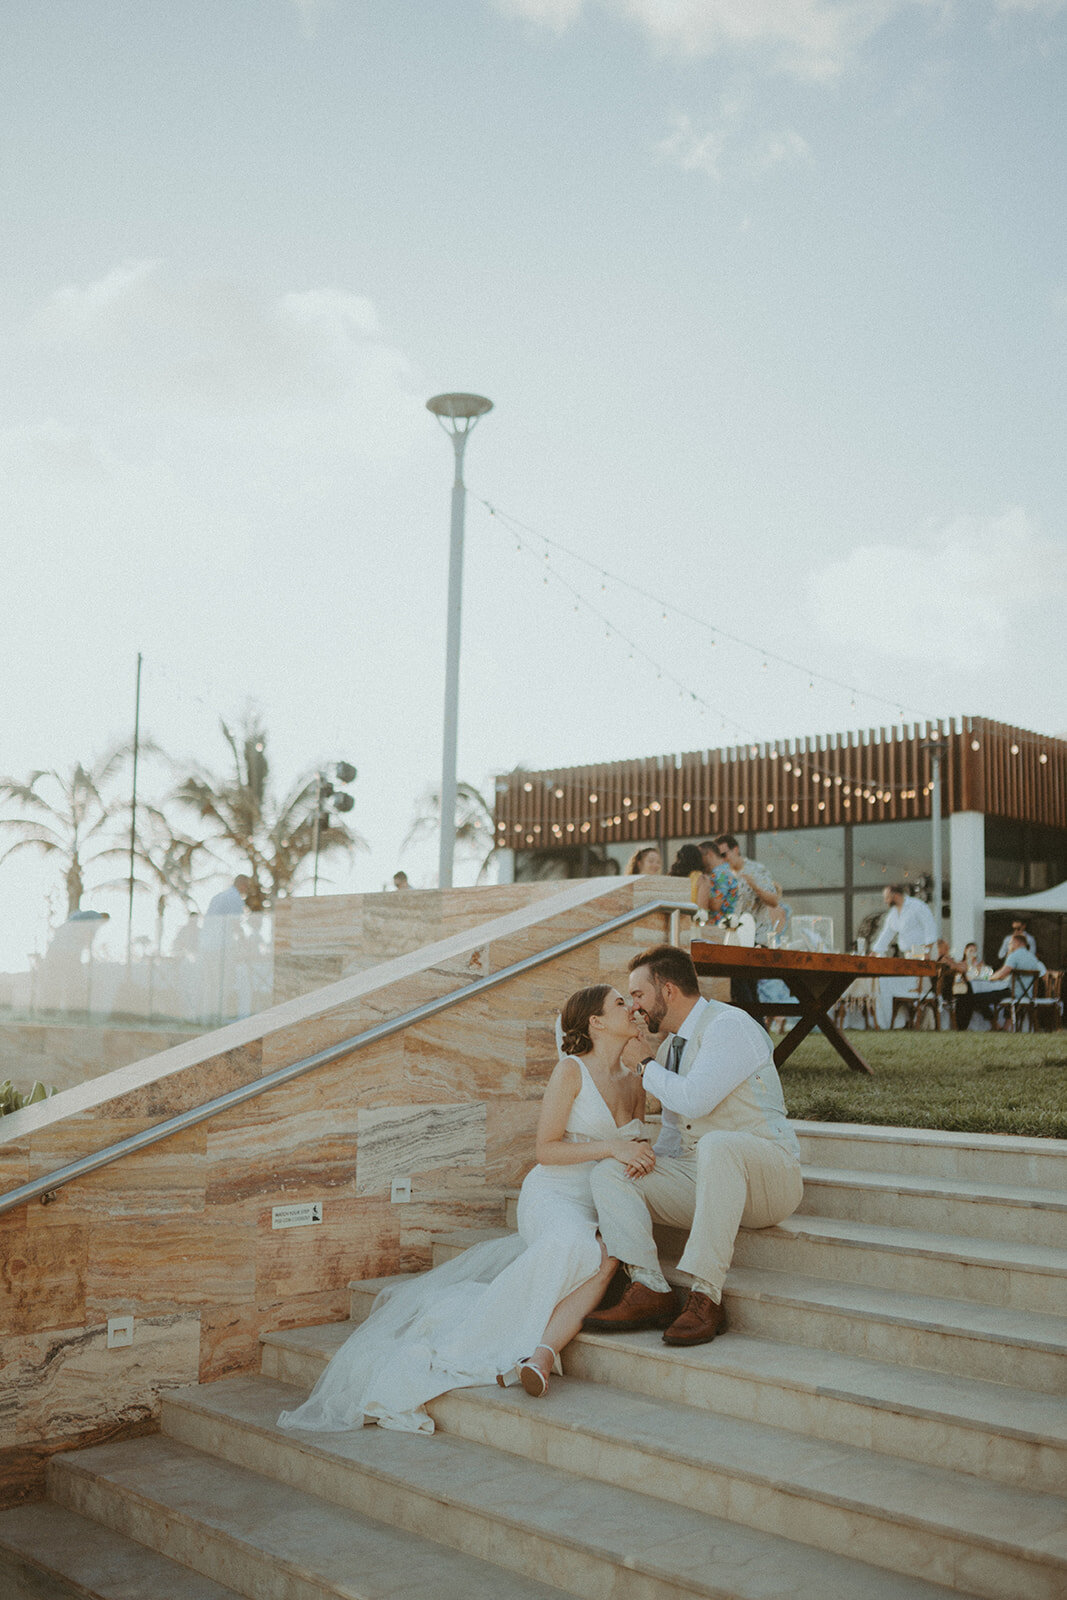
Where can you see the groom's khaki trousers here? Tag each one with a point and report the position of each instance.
(729, 1180)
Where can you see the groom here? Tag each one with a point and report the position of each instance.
(727, 1155)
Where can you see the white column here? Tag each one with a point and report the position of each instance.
(505, 866)
(966, 845)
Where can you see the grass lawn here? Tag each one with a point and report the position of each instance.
(971, 1082)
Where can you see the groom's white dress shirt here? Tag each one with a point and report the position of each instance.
(732, 1049)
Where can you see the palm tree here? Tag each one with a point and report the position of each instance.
(168, 859)
(475, 824)
(249, 827)
(66, 815)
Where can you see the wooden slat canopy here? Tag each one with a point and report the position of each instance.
(882, 775)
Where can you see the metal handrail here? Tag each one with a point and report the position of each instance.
(45, 1186)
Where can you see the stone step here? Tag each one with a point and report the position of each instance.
(997, 1344)
(444, 1246)
(991, 1430)
(587, 1537)
(916, 1519)
(267, 1537)
(897, 1262)
(50, 1553)
(994, 1431)
(1004, 1159)
(983, 1210)
(1024, 1349)
(1024, 1277)
(1010, 1213)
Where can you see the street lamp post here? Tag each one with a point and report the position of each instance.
(936, 749)
(457, 414)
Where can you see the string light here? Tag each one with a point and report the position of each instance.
(515, 528)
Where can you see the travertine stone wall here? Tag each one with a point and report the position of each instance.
(62, 1054)
(319, 939)
(180, 1235)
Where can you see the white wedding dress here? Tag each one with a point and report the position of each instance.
(474, 1317)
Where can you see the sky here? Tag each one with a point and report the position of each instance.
(770, 297)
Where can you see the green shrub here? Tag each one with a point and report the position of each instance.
(12, 1099)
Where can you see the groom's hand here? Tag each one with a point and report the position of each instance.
(647, 1043)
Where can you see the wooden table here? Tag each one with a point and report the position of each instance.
(817, 981)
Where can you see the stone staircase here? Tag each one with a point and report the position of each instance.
(883, 1419)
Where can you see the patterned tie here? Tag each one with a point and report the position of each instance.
(674, 1053)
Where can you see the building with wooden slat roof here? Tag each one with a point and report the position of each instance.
(835, 817)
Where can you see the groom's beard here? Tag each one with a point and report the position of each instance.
(654, 1019)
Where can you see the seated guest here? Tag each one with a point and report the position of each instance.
(1018, 926)
(645, 863)
(965, 1002)
(1020, 958)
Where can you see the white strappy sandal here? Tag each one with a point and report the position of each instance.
(529, 1374)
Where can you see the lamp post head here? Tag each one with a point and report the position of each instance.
(457, 414)
(457, 408)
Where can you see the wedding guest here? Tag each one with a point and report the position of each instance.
(972, 964)
(644, 863)
(688, 863)
(1017, 926)
(231, 902)
(724, 885)
(910, 922)
(756, 892)
(1020, 958)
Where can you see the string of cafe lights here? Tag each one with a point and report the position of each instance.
(808, 767)
(872, 792)
(516, 529)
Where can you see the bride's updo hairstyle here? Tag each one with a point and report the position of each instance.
(577, 1040)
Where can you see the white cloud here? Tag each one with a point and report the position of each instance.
(811, 38)
(692, 151)
(725, 148)
(213, 344)
(786, 148)
(815, 39)
(978, 594)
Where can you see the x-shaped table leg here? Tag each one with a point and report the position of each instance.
(816, 999)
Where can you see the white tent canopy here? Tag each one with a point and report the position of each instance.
(1048, 900)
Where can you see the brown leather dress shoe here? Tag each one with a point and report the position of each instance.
(701, 1320)
(639, 1307)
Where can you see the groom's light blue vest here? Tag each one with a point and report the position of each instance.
(756, 1106)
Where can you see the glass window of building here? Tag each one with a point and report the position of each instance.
(894, 852)
(803, 858)
(1023, 857)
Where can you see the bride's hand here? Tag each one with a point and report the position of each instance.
(636, 1155)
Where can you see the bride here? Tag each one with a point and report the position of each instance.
(504, 1309)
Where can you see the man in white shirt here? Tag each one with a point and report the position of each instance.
(910, 922)
(727, 1157)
